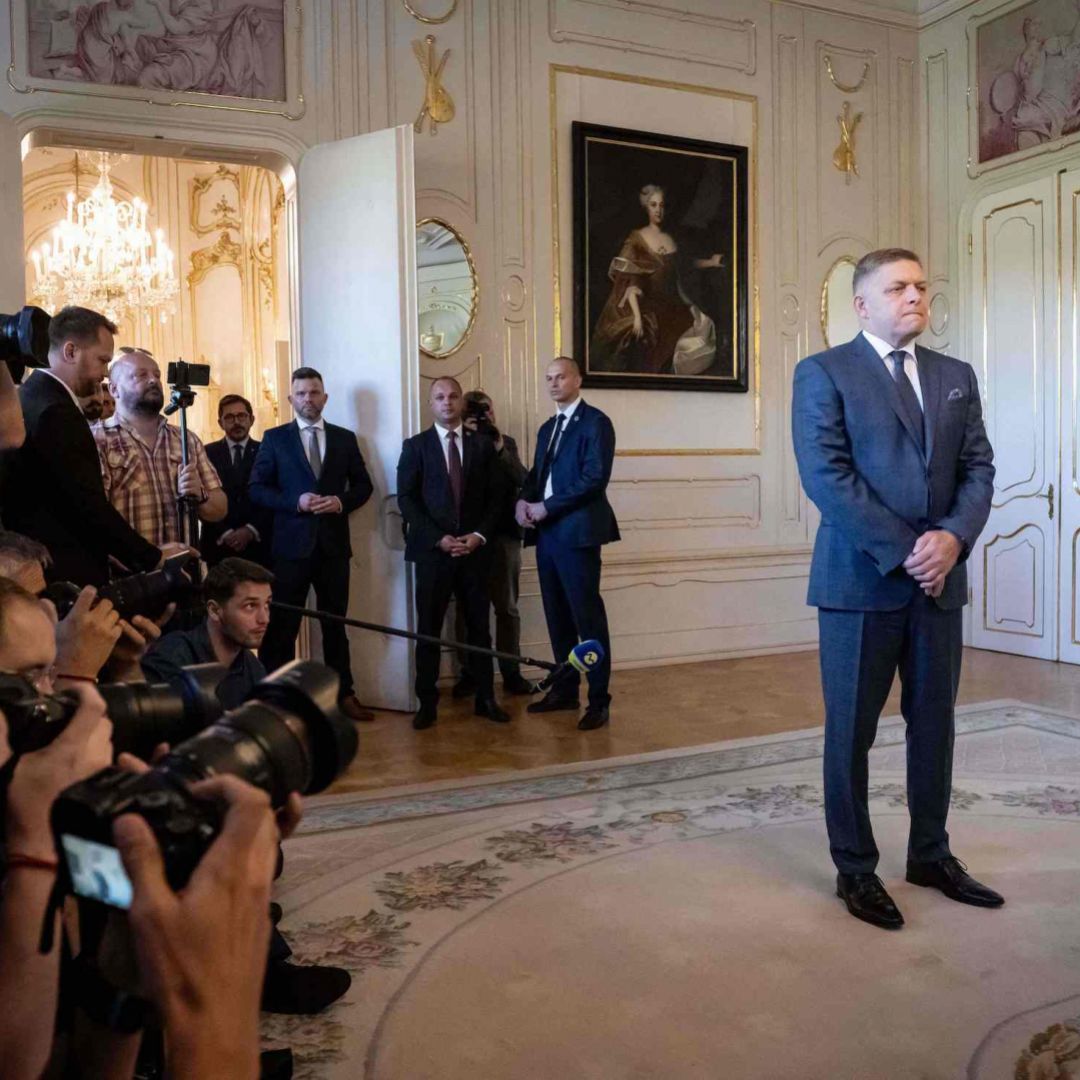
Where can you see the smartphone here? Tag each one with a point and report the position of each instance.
(97, 871)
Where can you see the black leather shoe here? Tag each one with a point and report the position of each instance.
(302, 989)
(275, 1065)
(951, 877)
(464, 687)
(867, 899)
(552, 702)
(425, 717)
(490, 708)
(517, 684)
(596, 716)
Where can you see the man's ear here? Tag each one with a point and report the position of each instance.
(213, 610)
(68, 352)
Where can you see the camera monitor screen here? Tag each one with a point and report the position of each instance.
(97, 871)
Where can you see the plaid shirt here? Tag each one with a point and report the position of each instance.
(141, 480)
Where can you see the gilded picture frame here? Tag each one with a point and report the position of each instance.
(661, 267)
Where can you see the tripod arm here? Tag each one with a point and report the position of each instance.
(393, 631)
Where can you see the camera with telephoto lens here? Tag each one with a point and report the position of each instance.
(287, 736)
(480, 411)
(146, 594)
(24, 340)
(143, 715)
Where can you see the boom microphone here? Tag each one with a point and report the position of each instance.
(584, 656)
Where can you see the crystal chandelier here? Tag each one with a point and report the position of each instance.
(102, 256)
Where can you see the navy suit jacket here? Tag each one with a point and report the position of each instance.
(579, 514)
(282, 473)
(427, 502)
(242, 511)
(860, 462)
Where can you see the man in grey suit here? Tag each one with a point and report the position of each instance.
(891, 448)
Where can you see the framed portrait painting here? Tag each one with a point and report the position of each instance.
(661, 288)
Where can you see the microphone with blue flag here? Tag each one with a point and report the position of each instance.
(584, 657)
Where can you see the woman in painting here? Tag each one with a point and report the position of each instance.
(648, 325)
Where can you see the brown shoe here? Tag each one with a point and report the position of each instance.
(352, 708)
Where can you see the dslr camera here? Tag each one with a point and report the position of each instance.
(480, 411)
(24, 340)
(288, 736)
(146, 594)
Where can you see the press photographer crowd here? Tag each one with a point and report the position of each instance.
(157, 732)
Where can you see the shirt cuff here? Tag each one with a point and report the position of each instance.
(483, 538)
(254, 532)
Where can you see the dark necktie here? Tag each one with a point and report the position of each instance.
(237, 456)
(314, 457)
(907, 393)
(454, 466)
(549, 454)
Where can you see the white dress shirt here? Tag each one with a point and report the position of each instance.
(320, 436)
(568, 412)
(911, 366)
(444, 441)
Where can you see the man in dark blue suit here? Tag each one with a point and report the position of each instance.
(891, 448)
(566, 514)
(312, 475)
(245, 529)
(451, 495)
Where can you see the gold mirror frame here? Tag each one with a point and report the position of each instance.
(824, 313)
(475, 299)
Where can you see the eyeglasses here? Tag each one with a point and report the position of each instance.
(233, 417)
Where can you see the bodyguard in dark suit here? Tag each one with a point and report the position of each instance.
(566, 514)
(450, 494)
(312, 475)
(891, 448)
(53, 491)
(246, 528)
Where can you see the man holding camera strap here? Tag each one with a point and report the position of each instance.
(141, 455)
(53, 492)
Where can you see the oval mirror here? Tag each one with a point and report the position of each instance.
(839, 322)
(447, 290)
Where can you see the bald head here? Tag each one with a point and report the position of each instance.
(563, 380)
(135, 384)
(446, 401)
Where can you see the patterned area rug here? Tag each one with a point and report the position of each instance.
(673, 915)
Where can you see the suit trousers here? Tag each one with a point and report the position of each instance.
(574, 610)
(504, 583)
(329, 575)
(861, 651)
(437, 580)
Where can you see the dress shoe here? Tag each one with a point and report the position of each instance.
(424, 718)
(490, 708)
(352, 708)
(951, 877)
(464, 687)
(276, 1065)
(867, 899)
(553, 702)
(302, 989)
(517, 684)
(596, 716)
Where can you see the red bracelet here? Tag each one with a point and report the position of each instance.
(29, 862)
(77, 678)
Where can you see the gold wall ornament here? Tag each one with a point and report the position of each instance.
(226, 252)
(223, 215)
(846, 88)
(438, 105)
(431, 20)
(844, 155)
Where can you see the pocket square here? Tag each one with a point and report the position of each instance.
(956, 394)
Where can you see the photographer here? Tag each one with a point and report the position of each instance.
(140, 455)
(505, 575)
(53, 492)
(237, 594)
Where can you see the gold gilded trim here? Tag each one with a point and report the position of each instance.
(824, 310)
(430, 20)
(554, 71)
(846, 88)
(1034, 582)
(225, 218)
(293, 74)
(474, 306)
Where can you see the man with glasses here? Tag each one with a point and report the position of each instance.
(245, 529)
(140, 454)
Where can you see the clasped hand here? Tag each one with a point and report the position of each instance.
(529, 514)
(458, 546)
(933, 557)
(319, 504)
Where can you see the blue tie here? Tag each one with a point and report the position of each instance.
(907, 394)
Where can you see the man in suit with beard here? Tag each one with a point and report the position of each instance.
(54, 492)
(311, 474)
(891, 448)
(451, 496)
(245, 531)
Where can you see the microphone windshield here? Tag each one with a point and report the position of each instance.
(586, 655)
